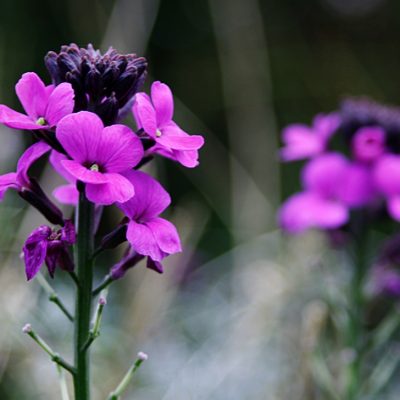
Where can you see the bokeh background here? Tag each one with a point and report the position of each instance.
(237, 314)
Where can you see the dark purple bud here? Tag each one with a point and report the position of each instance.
(154, 265)
(58, 256)
(114, 238)
(127, 262)
(51, 64)
(35, 196)
(108, 110)
(68, 234)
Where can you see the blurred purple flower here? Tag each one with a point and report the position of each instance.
(99, 156)
(302, 141)
(368, 143)
(387, 180)
(154, 115)
(332, 185)
(148, 234)
(49, 246)
(44, 105)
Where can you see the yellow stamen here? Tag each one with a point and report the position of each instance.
(41, 121)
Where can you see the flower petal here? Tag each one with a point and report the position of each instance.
(143, 241)
(150, 199)
(55, 160)
(189, 142)
(60, 104)
(188, 158)
(145, 114)
(80, 135)
(166, 235)
(386, 175)
(30, 155)
(393, 206)
(82, 173)
(16, 120)
(163, 102)
(32, 94)
(117, 189)
(8, 181)
(324, 174)
(307, 210)
(67, 194)
(119, 149)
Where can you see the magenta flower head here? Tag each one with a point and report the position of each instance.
(332, 186)
(154, 116)
(45, 245)
(99, 156)
(387, 179)
(44, 105)
(368, 143)
(148, 234)
(302, 141)
(27, 187)
(103, 83)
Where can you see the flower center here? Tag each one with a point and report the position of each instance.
(94, 167)
(158, 133)
(41, 121)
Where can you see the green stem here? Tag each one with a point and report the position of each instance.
(83, 262)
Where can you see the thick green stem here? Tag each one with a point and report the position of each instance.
(83, 262)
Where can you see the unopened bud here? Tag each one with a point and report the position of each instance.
(142, 356)
(27, 328)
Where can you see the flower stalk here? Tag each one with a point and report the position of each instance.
(84, 265)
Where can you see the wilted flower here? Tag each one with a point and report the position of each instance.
(44, 105)
(99, 156)
(148, 234)
(103, 83)
(154, 115)
(50, 246)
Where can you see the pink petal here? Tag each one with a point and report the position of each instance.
(386, 175)
(393, 207)
(163, 102)
(182, 142)
(166, 235)
(60, 104)
(300, 142)
(145, 114)
(84, 174)
(356, 187)
(188, 158)
(306, 210)
(143, 241)
(32, 94)
(80, 135)
(119, 149)
(150, 199)
(8, 181)
(117, 189)
(16, 120)
(324, 174)
(30, 155)
(67, 194)
(55, 160)
(325, 125)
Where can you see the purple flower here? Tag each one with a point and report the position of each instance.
(99, 156)
(302, 141)
(332, 186)
(44, 105)
(155, 117)
(65, 194)
(148, 234)
(49, 246)
(368, 143)
(20, 180)
(387, 179)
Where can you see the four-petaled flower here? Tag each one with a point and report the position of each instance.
(99, 156)
(154, 115)
(148, 234)
(50, 246)
(44, 105)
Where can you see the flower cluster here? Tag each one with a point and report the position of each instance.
(335, 183)
(76, 120)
